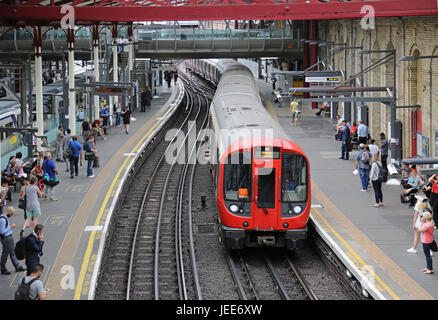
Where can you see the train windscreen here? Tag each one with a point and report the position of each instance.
(294, 178)
(237, 177)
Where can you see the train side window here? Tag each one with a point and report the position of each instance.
(294, 178)
(237, 177)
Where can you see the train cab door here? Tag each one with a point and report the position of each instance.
(266, 181)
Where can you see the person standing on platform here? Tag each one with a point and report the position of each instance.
(346, 138)
(34, 247)
(143, 100)
(421, 206)
(362, 160)
(33, 209)
(148, 97)
(126, 114)
(376, 166)
(8, 241)
(85, 129)
(90, 153)
(384, 149)
(374, 150)
(362, 132)
(59, 138)
(433, 188)
(36, 288)
(49, 169)
(426, 228)
(175, 76)
(118, 111)
(104, 114)
(65, 143)
(75, 156)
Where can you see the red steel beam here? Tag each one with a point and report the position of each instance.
(31, 15)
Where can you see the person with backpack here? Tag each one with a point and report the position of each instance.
(90, 154)
(8, 241)
(75, 153)
(34, 247)
(376, 180)
(31, 287)
(362, 160)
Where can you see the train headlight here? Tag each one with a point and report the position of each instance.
(297, 209)
(234, 208)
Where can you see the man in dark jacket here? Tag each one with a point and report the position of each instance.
(346, 137)
(34, 247)
(143, 100)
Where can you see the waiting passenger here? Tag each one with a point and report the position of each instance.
(96, 127)
(421, 206)
(426, 228)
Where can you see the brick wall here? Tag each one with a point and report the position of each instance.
(417, 81)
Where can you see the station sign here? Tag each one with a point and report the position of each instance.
(323, 76)
(112, 91)
(323, 79)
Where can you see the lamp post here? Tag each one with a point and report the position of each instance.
(393, 105)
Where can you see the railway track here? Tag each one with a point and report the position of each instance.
(146, 257)
(259, 275)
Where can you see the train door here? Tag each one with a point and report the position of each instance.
(266, 171)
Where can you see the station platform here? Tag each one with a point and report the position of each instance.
(372, 241)
(73, 224)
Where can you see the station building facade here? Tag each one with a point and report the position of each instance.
(417, 80)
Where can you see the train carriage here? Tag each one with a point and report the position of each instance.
(262, 177)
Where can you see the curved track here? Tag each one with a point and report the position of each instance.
(149, 242)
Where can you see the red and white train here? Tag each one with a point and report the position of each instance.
(262, 177)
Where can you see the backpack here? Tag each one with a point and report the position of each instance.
(365, 158)
(6, 225)
(383, 174)
(20, 248)
(69, 152)
(23, 290)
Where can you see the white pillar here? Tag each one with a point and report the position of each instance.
(71, 91)
(39, 95)
(96, 79)
(130, 58)
(115, 79)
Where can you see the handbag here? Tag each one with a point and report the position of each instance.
(433, 246)
(89, 155)
(22, 203)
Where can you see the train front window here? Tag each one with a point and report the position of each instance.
(293, 178)
(237, 177)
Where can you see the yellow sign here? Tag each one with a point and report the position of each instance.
(13, 139)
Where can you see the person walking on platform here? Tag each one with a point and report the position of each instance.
(33, 210)
(293, 109)
(75, 155)
(49, 169)
(175, 76)
(104, 114)
(34, 247)
(90, 154)
(384, 149)
(59, 139)
(421, 206)
(126, 114)
(362, 161)
(376, 166)
(8, 241)
(426, 228)
(346, 138)
(85, 128)
(362, 132)
(65, 143)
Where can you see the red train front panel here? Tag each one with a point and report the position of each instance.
(264, 189)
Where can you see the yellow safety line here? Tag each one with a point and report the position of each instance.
(84, 267)
(382, 283)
